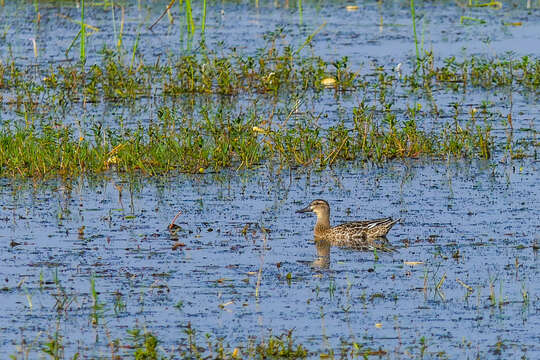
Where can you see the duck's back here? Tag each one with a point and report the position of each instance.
(362, 234)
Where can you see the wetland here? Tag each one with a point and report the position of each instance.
(234, 115)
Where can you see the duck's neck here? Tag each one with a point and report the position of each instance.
(323, 223)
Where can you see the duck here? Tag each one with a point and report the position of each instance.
(366, 234)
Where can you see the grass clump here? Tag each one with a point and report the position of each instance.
(272, 71)
(486, 73)
(220, 139)
(113, 78)
(144, 345)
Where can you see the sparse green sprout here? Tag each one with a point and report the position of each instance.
(289, 278)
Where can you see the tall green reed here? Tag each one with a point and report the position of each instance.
(134, 50)
(189, 18)
(203, 21)
(413, 15)
(300, 12)
(83, 35)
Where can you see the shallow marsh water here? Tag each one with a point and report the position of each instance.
(476, 222)
(489, 215)
(378, 31)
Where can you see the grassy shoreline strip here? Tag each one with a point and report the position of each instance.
(223, 140)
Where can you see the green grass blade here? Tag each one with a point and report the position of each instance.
(83, 35)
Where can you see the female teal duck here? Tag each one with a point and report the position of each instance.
(357, 234)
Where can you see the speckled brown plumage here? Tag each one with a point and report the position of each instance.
(367, 234)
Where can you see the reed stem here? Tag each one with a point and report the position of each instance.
(83, 35)
(203, 23)
(413, 15)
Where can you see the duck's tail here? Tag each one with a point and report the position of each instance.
(391, 222)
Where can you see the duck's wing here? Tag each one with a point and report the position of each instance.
(363, 235)
(365, 224)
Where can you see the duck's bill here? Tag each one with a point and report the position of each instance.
(306, 209)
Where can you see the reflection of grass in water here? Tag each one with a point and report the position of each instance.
(97, 307)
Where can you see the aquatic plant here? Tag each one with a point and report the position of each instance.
(83, 35)
(413, 17)
(222, 139)
(36, 142)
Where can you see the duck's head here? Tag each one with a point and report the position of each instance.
(318, 206)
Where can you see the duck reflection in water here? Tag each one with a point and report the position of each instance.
(323, 247)
(366, 235)
(323, 254)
